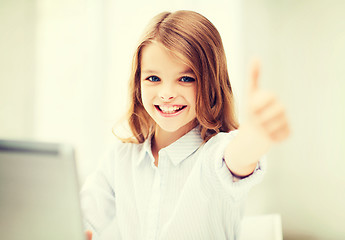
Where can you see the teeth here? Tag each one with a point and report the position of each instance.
(169, 109)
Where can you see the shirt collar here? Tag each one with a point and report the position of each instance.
(178, 150)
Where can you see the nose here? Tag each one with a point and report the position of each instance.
(167, 98)
(167, 92)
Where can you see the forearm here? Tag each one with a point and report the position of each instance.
(244, 151)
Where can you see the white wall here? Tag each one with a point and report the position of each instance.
(301, 44)
(71, 73)
(17, 67)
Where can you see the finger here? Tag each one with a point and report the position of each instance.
(276, 120)
(281, 134)
(254, 76)
(261, 101)
(276, 126)
(272, 113)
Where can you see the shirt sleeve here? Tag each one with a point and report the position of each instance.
(98, 196)
(232, 187)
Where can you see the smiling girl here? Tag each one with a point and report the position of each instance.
(187, 169)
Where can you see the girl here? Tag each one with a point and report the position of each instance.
(186, 171)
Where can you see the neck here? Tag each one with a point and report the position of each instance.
(164, 138)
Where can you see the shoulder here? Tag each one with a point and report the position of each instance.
(225, 135)
(214, 148)
(220, 140)
(117, 150)
(117, 145)
(120, 147)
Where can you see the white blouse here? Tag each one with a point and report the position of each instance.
(190, 195)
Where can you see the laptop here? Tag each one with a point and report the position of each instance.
(39, 192)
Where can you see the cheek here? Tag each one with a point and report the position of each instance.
(146, 95)
(143, 96)
(194, 102)
(192, 95)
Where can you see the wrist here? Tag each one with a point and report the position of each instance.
(254, 139)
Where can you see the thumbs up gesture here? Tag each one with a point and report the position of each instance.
(264, 125)
(265, 114)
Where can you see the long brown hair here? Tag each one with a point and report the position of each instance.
(194, 40)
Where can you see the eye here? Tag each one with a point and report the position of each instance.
(187, 79)
(153, 79)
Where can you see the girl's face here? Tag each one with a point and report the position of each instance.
(168, 89)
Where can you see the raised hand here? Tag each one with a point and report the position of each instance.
(265, 123)
(265, 114)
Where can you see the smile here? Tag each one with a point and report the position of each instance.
(170, 109)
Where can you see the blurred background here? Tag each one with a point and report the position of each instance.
(64, 69)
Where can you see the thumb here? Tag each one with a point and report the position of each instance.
(89, 235)
(254, 77)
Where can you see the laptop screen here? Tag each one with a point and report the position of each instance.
(39, 192)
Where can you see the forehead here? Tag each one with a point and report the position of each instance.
(155, 57)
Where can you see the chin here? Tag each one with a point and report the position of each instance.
(169, 128)
(176, 127)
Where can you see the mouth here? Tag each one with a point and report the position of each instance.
(170, 109)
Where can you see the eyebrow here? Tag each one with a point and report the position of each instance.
(148, 71)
